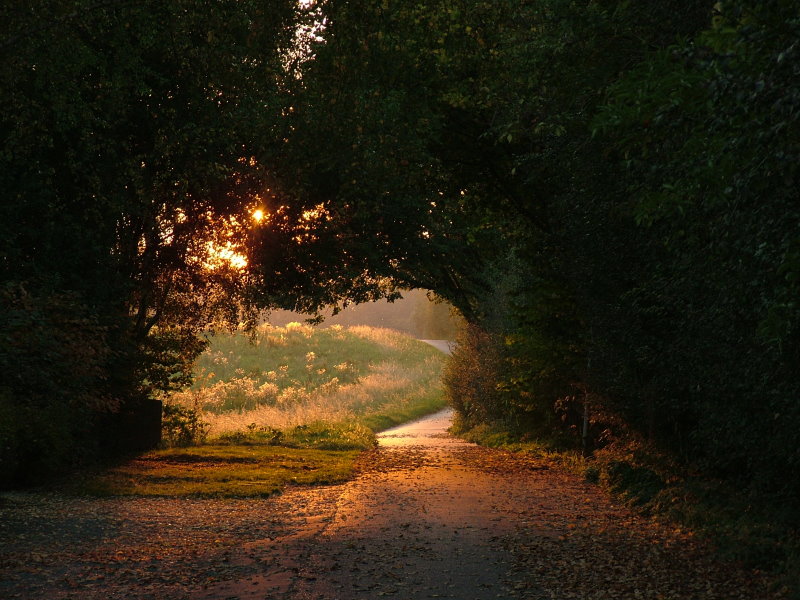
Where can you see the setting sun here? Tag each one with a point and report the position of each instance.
(258, 215)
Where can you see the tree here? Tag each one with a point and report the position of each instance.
(708, 129)
(461, 160)
(135, 139)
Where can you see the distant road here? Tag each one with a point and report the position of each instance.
(445, 346)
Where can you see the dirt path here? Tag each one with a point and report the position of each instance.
(445, 346)
(427, 517)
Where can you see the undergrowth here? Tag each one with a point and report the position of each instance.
(744, 527)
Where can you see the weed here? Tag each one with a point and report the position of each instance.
(182, 426)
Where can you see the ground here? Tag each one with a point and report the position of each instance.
(427, 516)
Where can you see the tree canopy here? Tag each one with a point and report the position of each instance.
(605, 190)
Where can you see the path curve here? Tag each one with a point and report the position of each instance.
(445, 346)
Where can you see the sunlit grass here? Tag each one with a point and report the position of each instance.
(289, 405)
(285, 377)
(223, 470)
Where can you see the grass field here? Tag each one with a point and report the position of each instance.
(286, 405)
(284, 377)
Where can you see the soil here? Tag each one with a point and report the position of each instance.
(427, 516)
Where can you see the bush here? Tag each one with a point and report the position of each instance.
(182, 426)
(37, 442)
(636, 484)
(472, 377)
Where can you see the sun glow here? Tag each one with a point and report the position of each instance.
(226, 250)
(227, 256)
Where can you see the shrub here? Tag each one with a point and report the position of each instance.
(182, 426)
(472, 377)
(49, 407)
(636, 484)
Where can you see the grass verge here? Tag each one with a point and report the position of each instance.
(497, 436)
(222, 470)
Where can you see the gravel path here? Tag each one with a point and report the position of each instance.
(427, 517)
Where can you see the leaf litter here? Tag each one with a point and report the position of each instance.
(418, 521)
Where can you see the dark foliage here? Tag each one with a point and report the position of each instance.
(606, 191)
(132, 134)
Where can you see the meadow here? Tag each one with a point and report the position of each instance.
(275, 380)
(281, 406)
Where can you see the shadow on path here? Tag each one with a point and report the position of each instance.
(428, 516)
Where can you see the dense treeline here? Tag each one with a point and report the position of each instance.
(608, 193)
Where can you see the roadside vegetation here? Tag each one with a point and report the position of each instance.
(749, 528)
(222, 470)
(282, 405)
(741, 526)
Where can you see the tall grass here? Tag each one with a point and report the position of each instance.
(278, 378)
